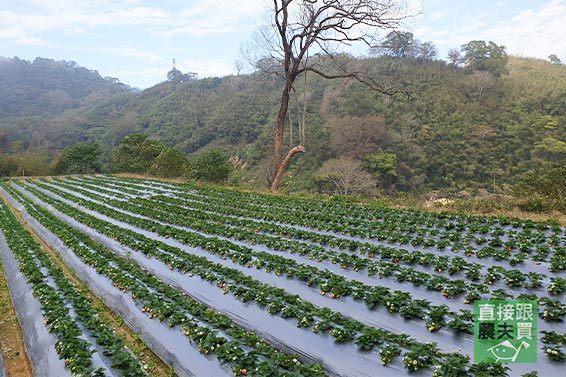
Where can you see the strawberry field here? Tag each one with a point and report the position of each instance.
(220, 282)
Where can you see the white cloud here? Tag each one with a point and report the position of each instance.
(143, 78)
(28, 41)
(197, 18)
(206, 67)
(129, 51)
(535, 32)
(138, 38)
(197, 28)
(150, 75)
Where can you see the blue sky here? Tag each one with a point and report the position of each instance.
(137, 40)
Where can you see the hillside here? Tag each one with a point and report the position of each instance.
(450, 128)
(47, 87)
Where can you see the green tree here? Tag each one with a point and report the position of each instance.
(402, 44)
(170, 163)
(543, 191)
(32, 162)
(552, 149)
(210, 166)
(482, 56)
(135, 154)
(381, 165)
(554, 59)
(174, 75)
(399, 44)
(8, 165)
(80, 158)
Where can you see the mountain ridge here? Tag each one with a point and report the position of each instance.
(459, 128)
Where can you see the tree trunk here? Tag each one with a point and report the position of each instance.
(280, 127)
(283, 167)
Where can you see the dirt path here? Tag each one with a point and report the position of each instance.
(16, 361)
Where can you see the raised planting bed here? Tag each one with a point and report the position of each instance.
(300, 286)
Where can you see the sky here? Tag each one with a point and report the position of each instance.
(137, 40)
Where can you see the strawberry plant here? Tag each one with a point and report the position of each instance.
(554, 310)
(558, 262)
(514, 278)
(459, 325)
(489, 369)
(370, 338)
(436, 318)
(388, 353)
(342, 335)
(551, 337)
(471, 296)
(415, 309)
(455, 365)
(474, 273)
(557, 285)
(421, 356)
(554, 353)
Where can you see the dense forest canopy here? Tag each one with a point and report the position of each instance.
(481, 120)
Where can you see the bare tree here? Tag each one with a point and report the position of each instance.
(346, 176)
(479, 82)
(454, 57)
(483, 132)
(356, 137)
(305, 36)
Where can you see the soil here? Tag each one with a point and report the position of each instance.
(16, 362)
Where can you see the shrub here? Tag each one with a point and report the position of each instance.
(210, 166)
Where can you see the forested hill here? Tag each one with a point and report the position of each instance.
(47, 87)
(448, 126)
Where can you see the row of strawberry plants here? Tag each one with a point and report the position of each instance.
(181, 215)
(204, 212)
(325, 280)
(514, 248)
(89, 187)
(329, 282)
(307, 315)
(57, 296)
(453, 358)
(162, 302)
(449, 288)
(364, 212)
(552, 349)
(334, 212)
(247, 230)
